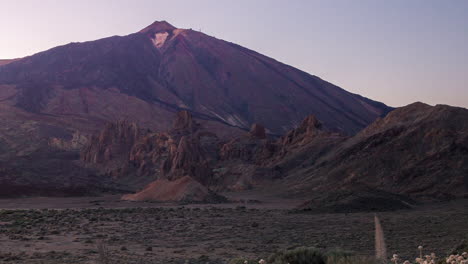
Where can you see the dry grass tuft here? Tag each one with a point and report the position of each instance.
(104, 255)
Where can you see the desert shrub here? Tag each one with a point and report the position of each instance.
(350, 260)
(242, 261)
(460, 248)
(338, 253)
(104, 256)
(347, 257)
(302, 255)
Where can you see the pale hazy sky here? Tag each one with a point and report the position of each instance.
(394, 51)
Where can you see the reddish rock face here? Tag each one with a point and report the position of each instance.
(122, 149)
(308, 129)
(190, 160)
(184, 124)
(248, 149)
(113, 143)
(149, 153)
(182, 189)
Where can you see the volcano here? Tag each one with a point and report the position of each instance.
(53, 102)
(149, 75)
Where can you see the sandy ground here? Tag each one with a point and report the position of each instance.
(247, 198)
(83, 230)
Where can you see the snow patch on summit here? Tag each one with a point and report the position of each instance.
(159, 39)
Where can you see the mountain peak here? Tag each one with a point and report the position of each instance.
(158, 26)
(219, 81)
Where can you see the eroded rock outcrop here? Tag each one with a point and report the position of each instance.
(113, 143)
(309, 136)
(184, 124)
(76, 143)
(149, 153)
(243, 161)
(188, 160)
(122, 150)
(252, 147)
(307, 130)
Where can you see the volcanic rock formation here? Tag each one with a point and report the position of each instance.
(416, 152)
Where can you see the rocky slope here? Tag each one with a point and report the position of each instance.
(417, 152)
(38, 154)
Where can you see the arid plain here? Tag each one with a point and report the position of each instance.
(81, 230)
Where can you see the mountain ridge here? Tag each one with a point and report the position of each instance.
(408, 157)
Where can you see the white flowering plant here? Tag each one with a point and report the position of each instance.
(433, 259)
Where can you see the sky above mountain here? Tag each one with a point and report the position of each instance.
(396, 52)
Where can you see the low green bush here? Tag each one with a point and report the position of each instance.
(302, 255)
